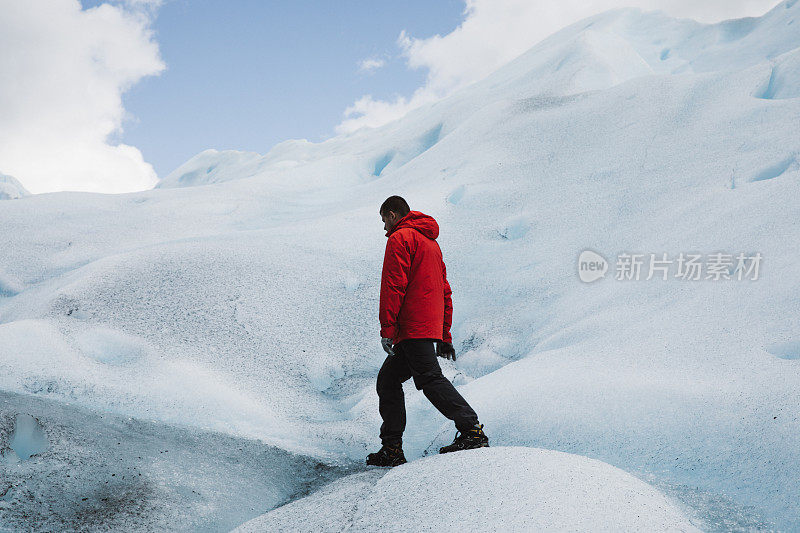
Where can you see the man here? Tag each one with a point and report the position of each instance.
(415, 314)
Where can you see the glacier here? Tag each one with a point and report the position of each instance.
(11, 188)
(230, 314)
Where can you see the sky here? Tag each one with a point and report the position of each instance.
(108, 97)
(248, 74)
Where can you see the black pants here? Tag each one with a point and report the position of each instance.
(417, 358)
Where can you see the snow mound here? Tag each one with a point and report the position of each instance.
(784, 80)
(10, 188)
(502, 489)
(209, 167)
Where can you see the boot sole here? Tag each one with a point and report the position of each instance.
(388, 466)
(441, 450)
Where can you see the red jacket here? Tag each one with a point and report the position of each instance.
(415, 295)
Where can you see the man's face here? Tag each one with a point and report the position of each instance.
(389, 221)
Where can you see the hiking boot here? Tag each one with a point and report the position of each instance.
(472, 438)
(387, 456)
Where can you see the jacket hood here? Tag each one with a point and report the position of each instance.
(421, 222)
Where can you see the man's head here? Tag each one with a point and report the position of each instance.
(392, 210)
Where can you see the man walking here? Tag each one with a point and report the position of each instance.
(415, 315)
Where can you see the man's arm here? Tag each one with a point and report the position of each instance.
(394, 280)
(448, 308)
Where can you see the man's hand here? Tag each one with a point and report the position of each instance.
(446, 350)
(387, 345)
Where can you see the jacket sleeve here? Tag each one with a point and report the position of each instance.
(394, 280)
(448, 307)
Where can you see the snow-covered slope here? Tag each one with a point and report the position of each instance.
(206, 167)
(489, 489)
(70, 469)
(247, 303)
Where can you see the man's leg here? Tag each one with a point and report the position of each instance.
(420, 356)
(391, 402)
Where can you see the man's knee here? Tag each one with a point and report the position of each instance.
(433, 379)
(387, 380)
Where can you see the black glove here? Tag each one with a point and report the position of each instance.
(387, 345)
(446, 350)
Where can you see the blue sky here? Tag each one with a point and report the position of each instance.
(247, 74)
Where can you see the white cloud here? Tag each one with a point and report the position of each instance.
(370, 64)
(494, 32)
(63, 71)
(144, 3)
(372, 113)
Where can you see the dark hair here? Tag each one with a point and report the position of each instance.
(395, 204)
